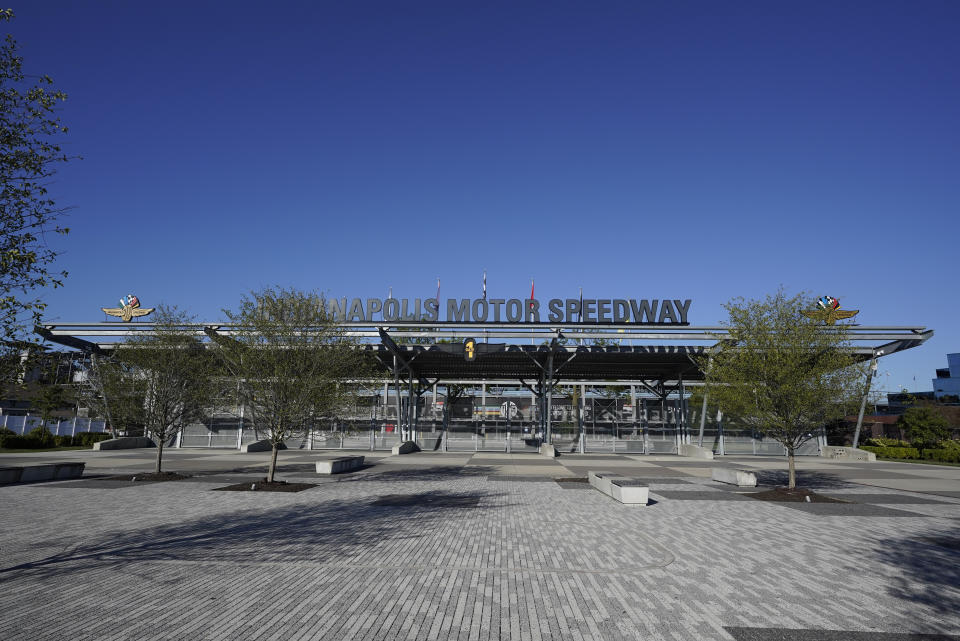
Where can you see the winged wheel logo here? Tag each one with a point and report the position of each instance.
(128, 310)
(828, 310)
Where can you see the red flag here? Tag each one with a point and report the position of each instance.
(531, 293)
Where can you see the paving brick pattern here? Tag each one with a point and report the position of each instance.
(468, 555)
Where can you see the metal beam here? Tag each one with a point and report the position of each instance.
(68, 341)
(392, 346)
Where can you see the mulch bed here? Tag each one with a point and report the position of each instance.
(148, 477)
(796, 495)
(263, 486)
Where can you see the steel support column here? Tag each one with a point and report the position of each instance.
(863, 402)
(681, 402)
(549, 422)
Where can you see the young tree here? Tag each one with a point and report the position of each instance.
(28, 158)
(293, 362)
(113, 392)
(924, 426)
(49, 394)
(782, 373)
(173, 372)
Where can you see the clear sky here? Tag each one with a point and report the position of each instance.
(675, 149)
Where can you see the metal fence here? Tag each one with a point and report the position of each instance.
(60, 427)
(504, 423)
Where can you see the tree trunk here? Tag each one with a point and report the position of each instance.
(159, 455)
(273, 463)
(791, 466)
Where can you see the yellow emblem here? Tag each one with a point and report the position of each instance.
(128, 310)
(828, 310)
(469, 349)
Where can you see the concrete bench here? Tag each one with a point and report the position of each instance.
(847, 453)
(124, 443)
(621, 488)
(740, 478)
(338, 464)
(407, 447)
(32, 473)
(264, 445)
(68, 470)
(694, 451)
(549, 451)
(10, 474)
(43, 472)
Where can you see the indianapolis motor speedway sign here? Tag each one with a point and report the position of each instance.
(511, 310)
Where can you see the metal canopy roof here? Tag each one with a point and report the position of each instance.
(630, 354)
(527, 362)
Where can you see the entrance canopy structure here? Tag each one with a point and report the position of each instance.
(659, 360)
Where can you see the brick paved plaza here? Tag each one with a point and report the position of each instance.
(477, 546)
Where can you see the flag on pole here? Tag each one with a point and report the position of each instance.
(531, 293)
(484, 285)
(438, 291)
(390, 295)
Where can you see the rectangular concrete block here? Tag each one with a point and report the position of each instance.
(339, 464)
(847, 453)
(740, 478)
(38, 473)
(10, 474)
(601, 480)
(548, 450)
(626, 490)
(694, 451)
(261, 446)
(630, 492)
(69, 470)
(124, 443)
(407, 447)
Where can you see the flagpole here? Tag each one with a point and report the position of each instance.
(580, 312)
(531, 301)
(486, 339)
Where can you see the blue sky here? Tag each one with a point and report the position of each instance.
(695, 150)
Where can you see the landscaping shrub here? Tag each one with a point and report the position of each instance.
(87, 439)
(953, 445)
(943, 455)
(41, 436)
(5, 436)
(894, 452)
(17, 442)
(879, 441)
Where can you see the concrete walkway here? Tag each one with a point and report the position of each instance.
(478, 546)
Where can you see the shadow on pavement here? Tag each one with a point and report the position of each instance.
(812, 479)
(335, 530)
(928, 570)
(418, 473)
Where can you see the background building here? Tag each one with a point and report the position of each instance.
(947, 382)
